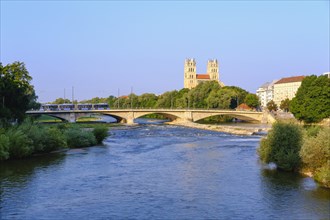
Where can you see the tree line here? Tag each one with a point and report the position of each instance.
(206, 95)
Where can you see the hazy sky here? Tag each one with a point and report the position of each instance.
(100, 47)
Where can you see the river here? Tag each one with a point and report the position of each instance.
(158, 172)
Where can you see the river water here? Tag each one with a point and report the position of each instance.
(158, 172)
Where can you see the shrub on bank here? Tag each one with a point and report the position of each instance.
(4, 147)
(79, 138)
(29, 138)
(290, 148)
(20, 144)
(55, 140)
(315, 155)
(282, 146)
(100, 132)
(322, 175)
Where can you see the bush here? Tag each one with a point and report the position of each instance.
(312, 131)
(315, 151)
(54, 140)
(4, 147)
(322, 175)
(20, 144)
(37, 135)
(100, 132)
(79, 138)
(282, 146)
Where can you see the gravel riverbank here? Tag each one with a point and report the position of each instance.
(237, 130)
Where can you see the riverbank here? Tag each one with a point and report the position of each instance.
(236, 130)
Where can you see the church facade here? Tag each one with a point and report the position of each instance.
(192, 79)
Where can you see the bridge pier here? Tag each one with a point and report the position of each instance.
(130, 118)
(188, 116)
(72, 117)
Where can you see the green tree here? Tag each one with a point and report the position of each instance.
(147, 100)
(271, 106)
(100, 132)
(167, 99)
(61, 101)
(197, 97)
(111, 100)
(282, 146)
(17, 95)
(252, 100)
(315, 154)
(285, 105)
(312, 100)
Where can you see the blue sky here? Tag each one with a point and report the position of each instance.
(100, 47)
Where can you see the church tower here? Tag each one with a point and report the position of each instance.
(213, 69)
(190, 73)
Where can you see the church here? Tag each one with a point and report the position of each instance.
(192, 79)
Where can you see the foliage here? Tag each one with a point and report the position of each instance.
(271, 106)
(252, 100)
(312, 131)
(204, 95)
(17, 95)
(312, 100)
(79, 138)
(20, 144)
(100, 132)
(29, 138)
(315, 151)
(282, 146)
(285, 105)
(322, 175)
(61, 101)
(4, 147)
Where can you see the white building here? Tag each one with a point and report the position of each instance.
(327, 74)
(266, 93)
(286, 88)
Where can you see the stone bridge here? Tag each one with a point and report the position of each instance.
(128, 115)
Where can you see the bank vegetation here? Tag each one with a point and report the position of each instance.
(293, 147)
(28, 138)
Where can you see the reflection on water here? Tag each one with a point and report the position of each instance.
(158, 172)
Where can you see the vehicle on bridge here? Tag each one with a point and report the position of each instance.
(66, 107)
(49, 107)
(101, 106)
(85, 106)
(69, 106)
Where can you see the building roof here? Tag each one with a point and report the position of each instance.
(202, 76)
(290, 79)
(243, 106)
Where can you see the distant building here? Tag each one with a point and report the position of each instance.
(286, 88)
(192, 79)
(243, 107)
(327, 74)
(266, 93)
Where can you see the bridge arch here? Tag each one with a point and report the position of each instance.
(170, 116)
(248, 118)
(119, 118)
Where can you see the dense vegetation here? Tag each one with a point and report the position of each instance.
(28, 138)
(17, 95)
(312, 100)
(205, 95)
(282, 146)
(294, 148)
